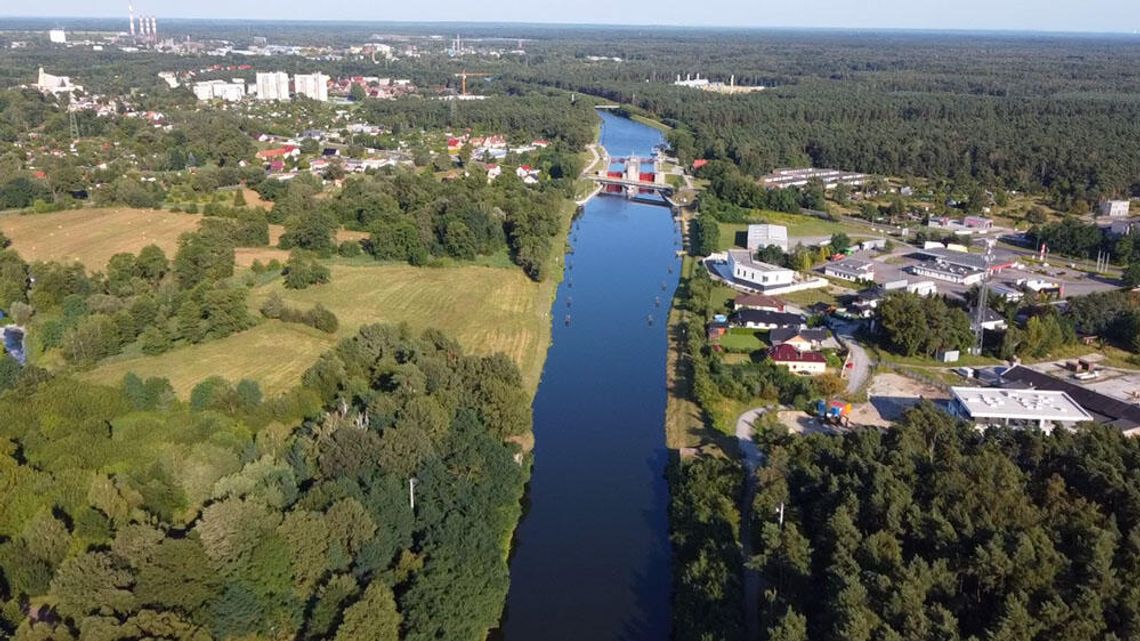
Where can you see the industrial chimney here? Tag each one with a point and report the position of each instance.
(154, 28)
(131, 11)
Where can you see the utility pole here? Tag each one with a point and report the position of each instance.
(412, 492)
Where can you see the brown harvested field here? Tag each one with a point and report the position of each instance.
(91, 236)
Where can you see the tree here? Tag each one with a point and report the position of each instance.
(89, 583)
(840, 242)
(203, 258)
(1131, 275)
(303, 270)
(373, 618)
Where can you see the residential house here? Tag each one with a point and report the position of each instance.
(493, 171)
(763, 319)
(805, 340)
(528, 174)
(758, 301)
(806, 363)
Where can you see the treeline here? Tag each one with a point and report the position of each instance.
(146, 298)
(129, 514)
(414, 217)
(1037, 114)
(932, 530)
(522, 117)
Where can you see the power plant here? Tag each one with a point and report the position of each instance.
(147, 28)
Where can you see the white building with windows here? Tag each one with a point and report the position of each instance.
(312, 85)
(273, 85)
(1114, 208)
(761, 236)
(763, 276)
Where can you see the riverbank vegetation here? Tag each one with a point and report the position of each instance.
(934, 530)
(128, 512)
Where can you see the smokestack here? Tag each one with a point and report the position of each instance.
(131, 11)
(154, 27)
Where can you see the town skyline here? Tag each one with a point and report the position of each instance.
(1098, 16)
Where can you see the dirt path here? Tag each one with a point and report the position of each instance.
(752, 459)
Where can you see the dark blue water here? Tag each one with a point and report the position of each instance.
(592, 556)
(14, 343)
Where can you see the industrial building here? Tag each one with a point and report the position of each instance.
(1103, 409)
(57, 36)
(760, 275)
(958, 267)
(1114, 208)
(760, 236)
(313, 85)
(1043, 409)
(851, 269)
(830, 178)
(273, 85)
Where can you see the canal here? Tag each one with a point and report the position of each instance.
(592, 556)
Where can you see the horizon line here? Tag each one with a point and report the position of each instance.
(707, 27)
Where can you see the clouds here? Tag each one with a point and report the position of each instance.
(1065, 15)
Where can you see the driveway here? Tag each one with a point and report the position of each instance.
(860, 370)
(752, 459)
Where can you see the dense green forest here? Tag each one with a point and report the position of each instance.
(1034, 113)
(128, 514)
(932, 530)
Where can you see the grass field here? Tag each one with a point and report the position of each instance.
(274, 354)
(92, 236)
(735, 234)
(486, 309)
(742, 340)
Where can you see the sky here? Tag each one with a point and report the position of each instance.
(1019, 15)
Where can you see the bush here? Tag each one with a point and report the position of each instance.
(350, 249)
(303, 270)
(319, 317)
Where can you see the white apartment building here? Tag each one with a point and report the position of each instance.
(219, 90)
(312, 85)
(273, 85)
(1114, 208)
(761, 275)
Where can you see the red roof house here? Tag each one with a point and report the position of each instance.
(809, 363)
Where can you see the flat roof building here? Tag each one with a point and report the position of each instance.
(1114, 208)
(851, 269)
(987, 407)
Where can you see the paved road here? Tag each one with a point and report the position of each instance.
(860, 372)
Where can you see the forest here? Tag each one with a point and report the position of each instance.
(129, 514)
(933, 530)
(1037, 113)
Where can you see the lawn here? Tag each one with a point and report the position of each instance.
(486, 309)
(274, 354)
(91, 236)
(742, 340)
(799, 225)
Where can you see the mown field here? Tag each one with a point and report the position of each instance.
(799, 225)
(486, 309)
(92, 235)
(274, 354)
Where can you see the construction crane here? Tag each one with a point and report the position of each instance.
(465, 75)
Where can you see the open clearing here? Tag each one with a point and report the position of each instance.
(486, 309)
(274, 354)
(91, 236)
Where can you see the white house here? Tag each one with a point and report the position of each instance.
(761, 275)
(807, 363)
(760, 236)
